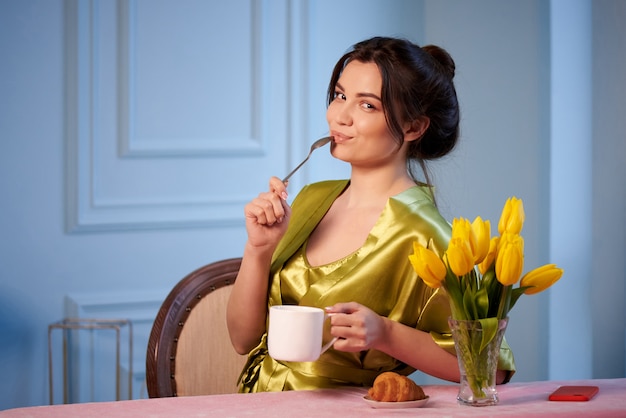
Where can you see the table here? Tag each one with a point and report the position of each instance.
(529, 399)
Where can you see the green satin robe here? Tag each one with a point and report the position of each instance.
(378, 275)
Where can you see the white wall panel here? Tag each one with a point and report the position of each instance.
(178, 88)
(160, 122)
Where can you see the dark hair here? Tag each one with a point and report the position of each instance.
(415, 82)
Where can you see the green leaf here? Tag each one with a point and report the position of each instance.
(490, 282)
(505, 299)
(490, 328)
(515, 295)
(495, 296)
(471, 280)
(453, 287)
(468, 304)
(481, 301)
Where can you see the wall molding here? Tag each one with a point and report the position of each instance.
(109, 180)
(132, 145)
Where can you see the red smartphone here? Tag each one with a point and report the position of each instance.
(574, 393)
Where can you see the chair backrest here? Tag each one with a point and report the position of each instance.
(189, 351)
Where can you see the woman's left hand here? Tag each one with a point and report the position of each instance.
(357, 327)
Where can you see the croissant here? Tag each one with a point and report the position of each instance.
(392, 387)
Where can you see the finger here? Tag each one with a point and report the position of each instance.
(278, 207)
(266, 213)
(348, 339)
(286, 210)
(272, 208)
(277, 186)
(345, 307)
(254, 212)
(349, 345)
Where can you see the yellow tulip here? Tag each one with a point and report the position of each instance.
(460, 257)
(482, 234)
(461, 228)
(512, 218)
(510, 237)
(490, 257)
(541, 278)
(476, 234)
(427, 265)
(510, 259)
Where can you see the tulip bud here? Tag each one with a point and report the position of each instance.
(427, 265)
(510, 237)
(482, 233)
(491, 255)
(510, 259)
(541, 278)
(461, 228)
(460, 257)
(512, 218)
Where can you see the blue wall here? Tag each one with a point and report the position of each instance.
(125, 165)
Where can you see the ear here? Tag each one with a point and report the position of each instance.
(416, 129)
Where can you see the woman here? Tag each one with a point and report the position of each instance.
(344, 245)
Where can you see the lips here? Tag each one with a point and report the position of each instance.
(339, 137)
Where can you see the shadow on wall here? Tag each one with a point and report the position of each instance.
(16, 345)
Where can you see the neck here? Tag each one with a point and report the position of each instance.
(369, 188)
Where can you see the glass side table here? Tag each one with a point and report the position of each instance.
(70, 327)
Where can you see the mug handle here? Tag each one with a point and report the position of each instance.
(331, 342)
(328, 344)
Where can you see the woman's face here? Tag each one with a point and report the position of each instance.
(356, 119)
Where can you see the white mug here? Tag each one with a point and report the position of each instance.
(295, 333)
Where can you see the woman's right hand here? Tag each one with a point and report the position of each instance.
(267, 216)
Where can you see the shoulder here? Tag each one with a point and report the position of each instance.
(415, 211)
(418, 202)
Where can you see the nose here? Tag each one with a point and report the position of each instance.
(339, 113)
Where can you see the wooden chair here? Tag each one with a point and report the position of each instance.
(189, 351)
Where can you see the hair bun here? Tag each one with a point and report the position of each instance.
(443, 58)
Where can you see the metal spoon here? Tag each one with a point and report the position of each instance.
(317, 144)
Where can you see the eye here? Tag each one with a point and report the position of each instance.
(368, 106)
(340, 96)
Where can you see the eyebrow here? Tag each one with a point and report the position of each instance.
(372, 95)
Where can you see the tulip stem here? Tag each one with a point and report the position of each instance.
(505, 301)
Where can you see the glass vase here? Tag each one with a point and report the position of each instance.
(478, 367)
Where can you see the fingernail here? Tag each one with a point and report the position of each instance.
(284, 195)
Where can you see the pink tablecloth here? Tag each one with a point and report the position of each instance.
(516, 399)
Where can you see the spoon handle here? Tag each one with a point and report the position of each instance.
(317, 144)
